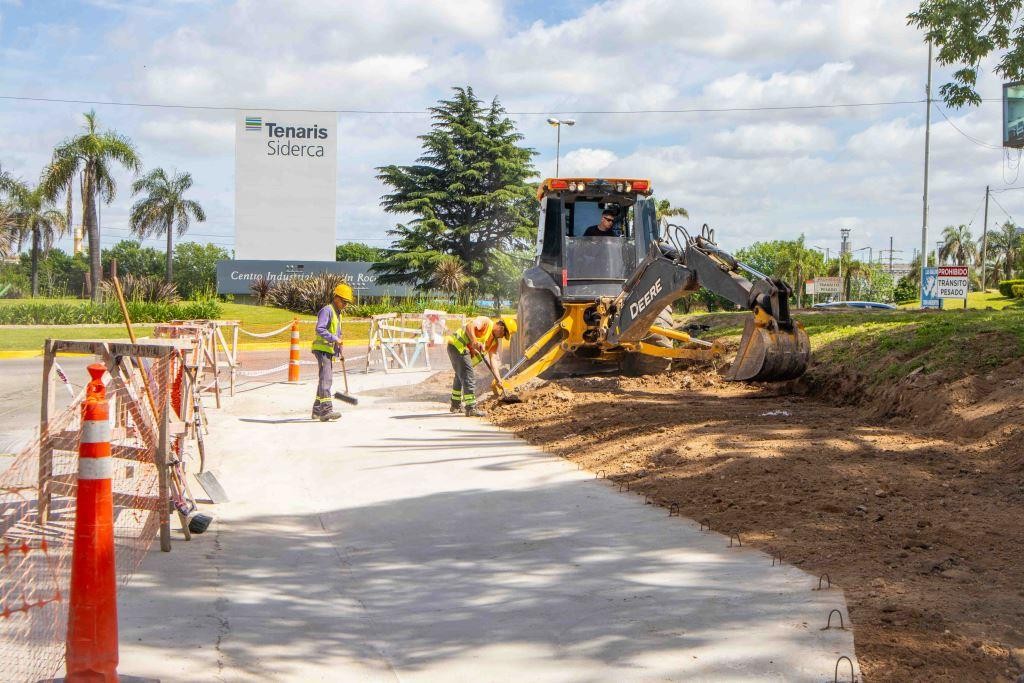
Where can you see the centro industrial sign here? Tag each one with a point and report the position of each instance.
(288, 140)
(285, 185)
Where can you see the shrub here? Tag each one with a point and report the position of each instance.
(1017, 291)
(311, 294)
(1006, 286)
(88, 313)
(142, 288)
(260, 289)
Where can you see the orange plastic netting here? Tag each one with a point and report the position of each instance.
(35, 554)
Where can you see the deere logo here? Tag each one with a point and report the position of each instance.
(253, 123)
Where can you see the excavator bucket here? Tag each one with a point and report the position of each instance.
(770, 354)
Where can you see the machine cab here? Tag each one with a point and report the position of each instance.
(586, 267)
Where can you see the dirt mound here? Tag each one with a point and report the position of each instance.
(909, 495)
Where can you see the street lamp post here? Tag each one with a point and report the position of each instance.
(558, 123)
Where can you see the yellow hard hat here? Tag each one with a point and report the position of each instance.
(510, 324)
(344, 292)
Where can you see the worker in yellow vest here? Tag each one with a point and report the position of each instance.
(466, 347)
(326, 347)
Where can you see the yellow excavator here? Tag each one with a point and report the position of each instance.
(604, 280)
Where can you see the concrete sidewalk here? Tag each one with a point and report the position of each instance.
(403, 543)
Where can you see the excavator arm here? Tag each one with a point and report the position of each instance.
(773, 347)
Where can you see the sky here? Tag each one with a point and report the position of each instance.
(754, 173)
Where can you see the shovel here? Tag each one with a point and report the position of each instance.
(505, 397)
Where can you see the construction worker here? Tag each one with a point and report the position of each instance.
(326, 347)
(466, 348)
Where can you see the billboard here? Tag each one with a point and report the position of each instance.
(285, 184)
(944, 282)
(234, 277)
(828, 285)
(1013, 114)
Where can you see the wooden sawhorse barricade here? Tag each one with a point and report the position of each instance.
(395, 347)
(138, 436)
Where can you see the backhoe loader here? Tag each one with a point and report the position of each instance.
(607, 298)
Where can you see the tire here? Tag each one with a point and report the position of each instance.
(637, 364)
(538, 310)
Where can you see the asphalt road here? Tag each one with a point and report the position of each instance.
(21, 392)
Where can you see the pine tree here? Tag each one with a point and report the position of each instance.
(467, 191)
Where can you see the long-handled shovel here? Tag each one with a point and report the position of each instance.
(504, 396)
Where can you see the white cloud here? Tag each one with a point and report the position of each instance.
(775, 139)
(193, 136)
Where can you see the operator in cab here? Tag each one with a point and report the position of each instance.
(606, 228)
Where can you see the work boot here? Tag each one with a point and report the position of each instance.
(473, 411)
(330, 416)
(456, 407)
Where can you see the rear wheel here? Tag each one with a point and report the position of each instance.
(636, 364)
(538, 310)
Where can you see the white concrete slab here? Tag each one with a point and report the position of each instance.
(403, 543)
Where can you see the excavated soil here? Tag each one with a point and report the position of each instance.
(911, 498)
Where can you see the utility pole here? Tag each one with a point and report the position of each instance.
(984, 242)
(890, 251)
(927, 140)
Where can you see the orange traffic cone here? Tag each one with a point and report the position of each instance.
(92, 614)
(293, 360)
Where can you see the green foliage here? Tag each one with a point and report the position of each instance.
(195, 268)
(85, 313)
(501, 281)
(907, 290)
(87, 162)
(357, 251)
(309, 295)
(134, 259)
(957, 245)
(789, 260)
(468, 195)
(1006, 286)
(1018, 291)
(59, 275)
(965, 33)
(164, 210)
(144, 288)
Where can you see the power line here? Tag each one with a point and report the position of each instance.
(1014, 220)
(421, 112)
(957, 129)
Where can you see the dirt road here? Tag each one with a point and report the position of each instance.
(918, 516)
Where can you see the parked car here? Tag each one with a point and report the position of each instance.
(864, 305)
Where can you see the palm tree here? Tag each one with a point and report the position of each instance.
(957, 244)
(1004, 248)
(664, 208)
(34, 215)
(164, 209)
(90, 158)
(8, 221)
(449, 275)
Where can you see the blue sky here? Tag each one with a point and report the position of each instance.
(752, 175)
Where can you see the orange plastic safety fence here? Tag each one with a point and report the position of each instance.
(35, 557)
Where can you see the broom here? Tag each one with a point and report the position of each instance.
(346, 397)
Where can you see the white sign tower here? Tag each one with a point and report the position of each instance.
(285, 185)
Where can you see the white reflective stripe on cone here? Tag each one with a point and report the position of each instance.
(95, 431)
(95, 468)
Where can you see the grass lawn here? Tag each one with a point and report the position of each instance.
(32, 338)
(890, 344)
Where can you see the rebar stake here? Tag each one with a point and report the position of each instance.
(829, 624)
(853, 677)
